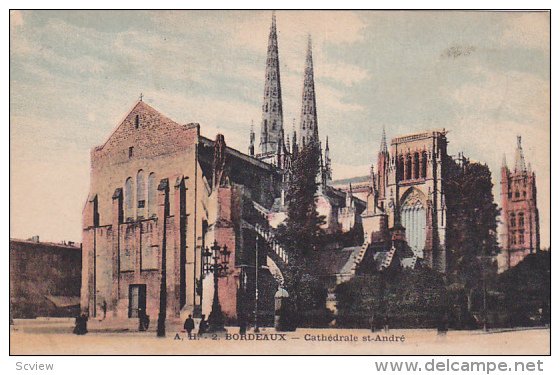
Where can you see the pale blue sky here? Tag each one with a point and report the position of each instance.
(484, 76)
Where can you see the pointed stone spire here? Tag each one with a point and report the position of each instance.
(349, 196)
(383, 146)
(328, 169)
(271, 125)
(504, 161)
(252, 139)
(308, 130)
(294, 139)
(519, 158)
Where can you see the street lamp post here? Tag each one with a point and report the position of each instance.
(216, 262)
(257, 283)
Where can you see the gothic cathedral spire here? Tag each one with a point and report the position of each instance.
(308, 130)
(271, 125)
(519, 158)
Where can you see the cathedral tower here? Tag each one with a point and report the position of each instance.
(520, 216)
(308, 125)
(271, 125)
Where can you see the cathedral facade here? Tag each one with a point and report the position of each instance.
(406, 196)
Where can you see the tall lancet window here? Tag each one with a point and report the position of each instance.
(408, 167)
(140, 193)
(424, 164)
(128, 199)
(152, 195)
(416, 165)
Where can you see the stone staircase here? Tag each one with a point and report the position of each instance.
(274, 244)
(389, 258)
(360, 256)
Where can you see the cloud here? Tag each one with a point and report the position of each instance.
(293, 27)
(347, 74)
(457, 50)
(523, 97)
(341, 171)
(527, 29)
(16, 18)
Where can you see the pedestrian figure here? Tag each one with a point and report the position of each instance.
(242, 325)
(189, 325)
(386, 323)
(81, 325)
(143, 320)
(443, 324)
(373, 323)
(203, 326)
(104, 309)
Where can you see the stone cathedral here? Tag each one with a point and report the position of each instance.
(161, 193)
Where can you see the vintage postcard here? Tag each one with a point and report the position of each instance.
(280, 182)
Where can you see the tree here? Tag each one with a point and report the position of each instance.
(409, 298)
(526, 290)
(302, 235)
(471, 225)
(302, 232)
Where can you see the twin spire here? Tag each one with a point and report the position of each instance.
(272, 122)
(272, 127)
(308, 130)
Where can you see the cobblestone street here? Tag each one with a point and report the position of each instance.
(55, 336)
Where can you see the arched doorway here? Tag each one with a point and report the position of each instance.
(413, 219)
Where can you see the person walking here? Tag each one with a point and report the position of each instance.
(143, 320)
(203, 326)
(189, 325)
(104, 309)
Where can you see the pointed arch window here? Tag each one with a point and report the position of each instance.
(152, 195)
(416, 165)
(512, 220)
(137, 121)
(140, 192)
(408, 167)
(521, 220)
(128, 198)
(273, 109)
(273, 124)
(424, 164)
(400, 168)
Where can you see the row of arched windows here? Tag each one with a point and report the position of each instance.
(140, 196)
(518, 194)
(412, 166)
